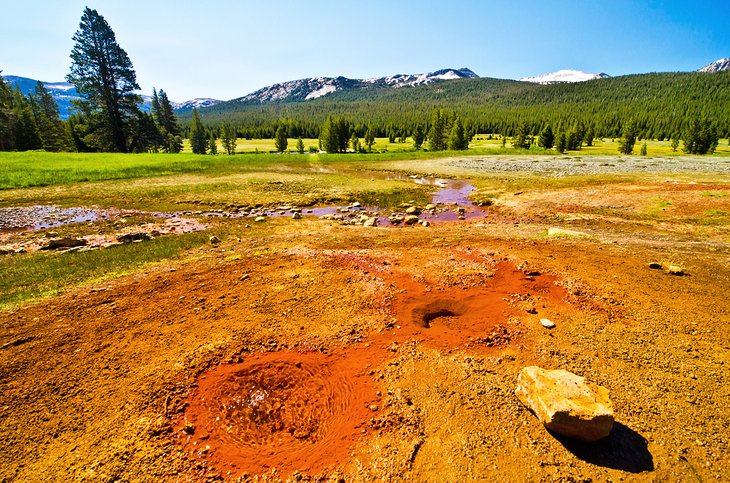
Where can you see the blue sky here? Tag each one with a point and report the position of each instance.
(227, 48)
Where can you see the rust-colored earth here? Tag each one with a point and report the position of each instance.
(311, 351)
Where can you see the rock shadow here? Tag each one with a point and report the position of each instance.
(624, 449)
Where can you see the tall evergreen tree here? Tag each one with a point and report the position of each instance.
(212, 146)
(198, 137)
(335, 135)
(300, 146)
(370, 138)
(50, 128)
(546, 139)
(520, 140)
(628, 139)
(104, 77)
(418, 137)
(167, 122)
(229, 138)
(6, 142)
(701, 137)
(280, 139)
(457, 138)
(560, 142)
(437, 134)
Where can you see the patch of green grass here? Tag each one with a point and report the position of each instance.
(40, 274)
(714, 194)
(656, 206)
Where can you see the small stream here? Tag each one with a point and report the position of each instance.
(449, 203)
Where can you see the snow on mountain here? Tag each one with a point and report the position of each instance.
(717, 66)
(197, 103)
(315, 87)
(565, 75)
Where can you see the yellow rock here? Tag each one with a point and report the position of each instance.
(566, 403)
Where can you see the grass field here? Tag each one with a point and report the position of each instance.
(481, 142)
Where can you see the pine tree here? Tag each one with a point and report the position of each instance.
(212, 146)
(370, 139)
(144, 134)
(560, 142)
(546, 139)
(167, 122)
(334, 135)
(300, 146)
(457, 138)
(50, 128)
(418, 137)
(520, 139)
(701, 137)
(280, 139)
(590, 134)
(23, 128)
(198, 138)
(229, 138)
(675, 143)
(643, 151)
(437, 134)
(104, 77)
(6, 142)
(627, 141)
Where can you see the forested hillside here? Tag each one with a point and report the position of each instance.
(661, 104)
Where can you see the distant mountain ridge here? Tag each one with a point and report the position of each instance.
(717, 66)
(565, 75)
(315, 87)
(63, 93)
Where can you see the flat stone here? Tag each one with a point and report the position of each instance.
(413, 210)
(566, 403)
(547, 323)
(65, 242)
(260, 219)
(410, 220)
(370, 222)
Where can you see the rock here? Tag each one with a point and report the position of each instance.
(655, 265)
(133, 237)
(425, 223)
(214, 240)
(547, 323)
(567, 233)
(566, 403)
(65, 242)
(260, 219)
(675, 270)
(410, 220)
(413, 210)
(430, 207)
(6, 250)
(371, 222)
(296, 215)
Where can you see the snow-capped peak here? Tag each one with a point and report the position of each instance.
(315, 87)
(717, 66)
(565, 75)
(196, 103)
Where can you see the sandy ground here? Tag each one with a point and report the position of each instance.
(314, 351)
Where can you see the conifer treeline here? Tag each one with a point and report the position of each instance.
(661, 105)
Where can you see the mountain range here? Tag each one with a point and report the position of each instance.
(312, 88)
